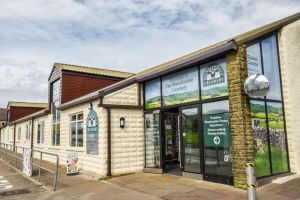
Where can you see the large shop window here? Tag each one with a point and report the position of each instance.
(217, 138)
(152, 139)
(56, 113)
(76, 130)
(267, 115)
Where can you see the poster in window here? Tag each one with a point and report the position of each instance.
(277, 138)
(182, 87)
(152, 94)
(260, 136)
(92, 125)
(254, 59)
(214, 79)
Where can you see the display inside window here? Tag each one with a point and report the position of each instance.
(217, 138)
(214, 79)
(277, 138)
(152, 94)
(182, 87)
(260, 136)
(152, 140)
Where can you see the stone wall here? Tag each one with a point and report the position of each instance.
(240, 116)
(289, 52)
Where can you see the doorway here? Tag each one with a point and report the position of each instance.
(171, 142)
(182, 140)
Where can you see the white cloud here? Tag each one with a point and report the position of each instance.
(128, 35)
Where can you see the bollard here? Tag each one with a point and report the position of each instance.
(251, 181)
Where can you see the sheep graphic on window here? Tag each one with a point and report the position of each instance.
(213, 74)
(92, 121)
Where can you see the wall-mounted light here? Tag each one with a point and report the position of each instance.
(122, 122)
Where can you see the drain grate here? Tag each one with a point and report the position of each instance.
(14, 192)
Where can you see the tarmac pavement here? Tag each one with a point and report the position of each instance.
(137, 186)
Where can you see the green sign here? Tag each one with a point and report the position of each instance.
(92, 132)
(216, 130)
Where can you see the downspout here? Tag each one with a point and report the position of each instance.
(108, 142)
(32, 129)
(14, 142)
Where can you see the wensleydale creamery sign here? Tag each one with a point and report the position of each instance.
(213, 74)
(213, 79)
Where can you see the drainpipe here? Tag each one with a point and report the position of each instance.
(14, 142)
(32, 129)
(108, 142)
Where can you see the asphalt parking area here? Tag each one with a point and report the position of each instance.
(13, 183)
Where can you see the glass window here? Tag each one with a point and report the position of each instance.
(214, 79)
(277, 138)
(260, 135)
(254, 59)
(182, 87)
(152, 94)
(56, 113)
(152, 140)
(217, 138)
(56, 134)
(19, 133)
(40, 133)
(76, 130)
(271, 66)
(28, 132)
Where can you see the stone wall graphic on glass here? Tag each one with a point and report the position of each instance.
(213, 79)
(92, 125)
(182, 87)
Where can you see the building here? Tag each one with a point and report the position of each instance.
(188, 117)
(3, 117)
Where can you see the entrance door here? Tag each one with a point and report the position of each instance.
(191, 139)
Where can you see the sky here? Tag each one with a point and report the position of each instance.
(127, 35)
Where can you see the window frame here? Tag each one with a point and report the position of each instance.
(77, 121)
(40, 133)
(265, 100)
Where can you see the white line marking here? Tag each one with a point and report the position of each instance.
(4, 184)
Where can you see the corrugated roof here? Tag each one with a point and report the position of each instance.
(239, 39)
(93, 70)
(27, 104)
(3, 114)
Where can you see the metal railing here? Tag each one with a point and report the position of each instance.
(12, 150)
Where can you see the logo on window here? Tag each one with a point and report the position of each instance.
(214, 74)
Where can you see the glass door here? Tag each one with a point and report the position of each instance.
(191, 139)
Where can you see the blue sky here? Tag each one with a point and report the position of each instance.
(129, 35)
